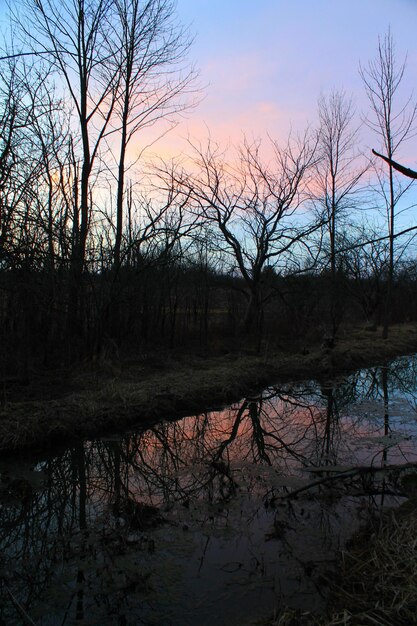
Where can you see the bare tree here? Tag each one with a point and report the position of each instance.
(123, 66)
(19, 164)
(338, 178)
(393, 123)
(366, 262)
(72, 37)
(256, 207)
(30, 135)
(154, 80)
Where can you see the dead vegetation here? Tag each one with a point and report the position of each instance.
(97, 400)
(377, 579)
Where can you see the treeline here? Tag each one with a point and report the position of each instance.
(102, 257)
(185, 305)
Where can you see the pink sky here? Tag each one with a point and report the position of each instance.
(265, 64)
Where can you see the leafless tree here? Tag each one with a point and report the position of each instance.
(338, 179)
(154, 80)
(31, 133)
(123, 66)
(73, 38)
(256, 207)
(366, 262)
(19, 163)
(393, 123)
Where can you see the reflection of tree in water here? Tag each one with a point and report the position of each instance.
(30, 530)
(81, 544)
(58, 545)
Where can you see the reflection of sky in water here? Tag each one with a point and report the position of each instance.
(224, 544)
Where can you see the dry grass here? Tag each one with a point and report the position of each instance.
(377, 580)
(108, 398)
(103, 404)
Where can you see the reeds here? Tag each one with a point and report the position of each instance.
(377, 580)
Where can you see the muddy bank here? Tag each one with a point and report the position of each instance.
(113, 397)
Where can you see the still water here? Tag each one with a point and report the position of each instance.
(213, 519)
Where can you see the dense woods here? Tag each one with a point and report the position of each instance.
(103, 255)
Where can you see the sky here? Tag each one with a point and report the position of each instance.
(264, 64)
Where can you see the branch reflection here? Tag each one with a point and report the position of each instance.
(88, 533)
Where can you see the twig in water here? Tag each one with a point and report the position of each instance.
(26, 617)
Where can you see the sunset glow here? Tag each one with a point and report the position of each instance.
(264, 66)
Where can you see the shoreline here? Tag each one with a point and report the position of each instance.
(96, 402)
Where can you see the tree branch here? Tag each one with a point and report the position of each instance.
(400, 168)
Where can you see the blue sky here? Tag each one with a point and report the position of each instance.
(266, 63)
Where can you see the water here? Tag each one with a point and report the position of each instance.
(192, 522)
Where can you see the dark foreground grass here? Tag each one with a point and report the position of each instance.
(377, 580)
(115, 396)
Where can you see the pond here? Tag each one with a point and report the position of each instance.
(217, 518)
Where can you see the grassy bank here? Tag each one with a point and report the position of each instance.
(113, 396)
(376, 584)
